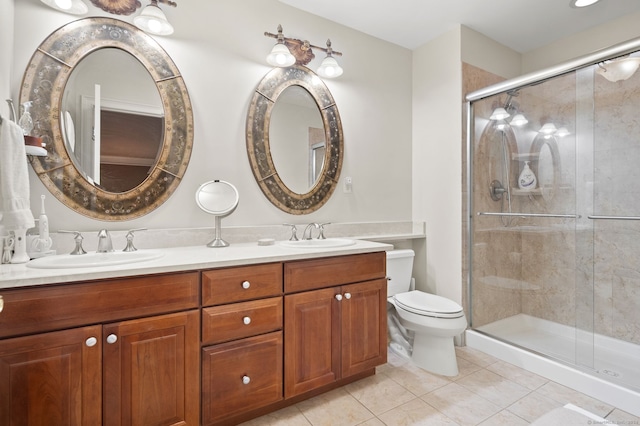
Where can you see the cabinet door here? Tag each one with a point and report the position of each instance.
(151, 371)
(364, 326)
(52, 378)
(312, 340)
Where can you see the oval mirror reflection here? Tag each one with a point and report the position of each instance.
(112, 120)
(297, 139)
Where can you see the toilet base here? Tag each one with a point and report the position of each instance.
(435, 354)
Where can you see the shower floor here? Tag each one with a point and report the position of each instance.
(610, 359)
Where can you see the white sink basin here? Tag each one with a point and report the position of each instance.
(315, 243)
(94, 260)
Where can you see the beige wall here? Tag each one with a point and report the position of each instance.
(6, 51)
(222, 61)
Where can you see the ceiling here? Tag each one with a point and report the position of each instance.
(522, 25)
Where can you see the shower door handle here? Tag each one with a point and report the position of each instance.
(596, 217)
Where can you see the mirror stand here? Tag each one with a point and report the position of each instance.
(218, 241)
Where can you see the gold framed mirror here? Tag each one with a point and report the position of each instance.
(45, 84)
(317, 178)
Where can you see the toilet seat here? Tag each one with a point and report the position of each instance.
(426, 304)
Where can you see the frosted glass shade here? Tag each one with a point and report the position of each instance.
(329, 68)
(280, 56)
(153, 20)
(74, 7)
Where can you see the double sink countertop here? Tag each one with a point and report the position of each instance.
(180, 259)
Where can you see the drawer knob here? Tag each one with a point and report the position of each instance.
(91, 341)
(347, 296)
(246, 284)
(246, 380)
(246, 320)
(112, 338)
(338, 297)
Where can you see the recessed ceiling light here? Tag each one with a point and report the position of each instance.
(582, 3)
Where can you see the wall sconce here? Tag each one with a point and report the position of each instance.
(288, 51)
(519, 120)
(619, 68)
(153, 20)
(74, 7)
(499, 114)
(547, 130)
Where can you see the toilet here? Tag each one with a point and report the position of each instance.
(434, 320)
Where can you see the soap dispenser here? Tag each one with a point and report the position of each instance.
(527, 180)
(26, 122)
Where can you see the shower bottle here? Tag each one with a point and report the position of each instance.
(527, 180)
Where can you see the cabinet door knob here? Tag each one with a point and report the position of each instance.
(1, 303)
(246, 320)
(246, 284)
(91, 341)
(246, 380)
(338, 297)
(347, 296)
(112, 338)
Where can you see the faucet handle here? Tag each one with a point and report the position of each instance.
(130, 246)
(321, 228)
(294, 236)
(77, 236)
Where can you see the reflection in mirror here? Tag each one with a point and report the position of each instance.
(112, 120)
(296, 136)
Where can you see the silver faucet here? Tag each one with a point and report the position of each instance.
(309, 230)
(104, 242)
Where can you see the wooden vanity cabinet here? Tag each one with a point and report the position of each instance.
(242, 364)
(334, 332)
(112, 352)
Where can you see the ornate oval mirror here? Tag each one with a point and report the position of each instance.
(294, 139)
(116, 148)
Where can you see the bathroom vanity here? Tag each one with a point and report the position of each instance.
(199, 336)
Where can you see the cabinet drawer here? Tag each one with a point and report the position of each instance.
(34, 310)
(239, 320)
(328, 272)
(220, 286)
(240, 376)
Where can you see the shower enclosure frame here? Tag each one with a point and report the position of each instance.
(624, 400)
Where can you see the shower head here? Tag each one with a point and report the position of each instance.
(509, 105)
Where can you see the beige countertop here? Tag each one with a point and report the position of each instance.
(180, 259)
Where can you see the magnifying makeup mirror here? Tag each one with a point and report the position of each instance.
(218, 198)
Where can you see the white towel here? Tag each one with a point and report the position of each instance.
(14, 178)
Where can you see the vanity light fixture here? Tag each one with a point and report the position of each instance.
(499, 114)
(547, 130)
(289, 51)
(519, 120)
(74, 7)
(280, 55)
(153, 20)
(619, 68)
(329, 68)
(582, 3)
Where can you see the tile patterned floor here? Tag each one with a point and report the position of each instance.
(487, 392)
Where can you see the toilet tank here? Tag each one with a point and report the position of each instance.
(399, 269)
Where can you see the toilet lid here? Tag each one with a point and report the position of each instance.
(422, 303)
